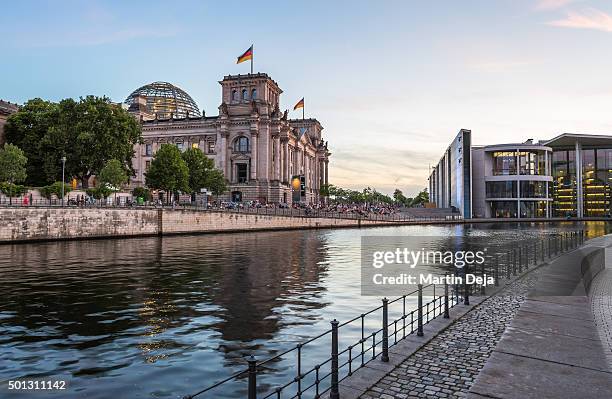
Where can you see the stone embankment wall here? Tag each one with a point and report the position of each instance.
(31, 224)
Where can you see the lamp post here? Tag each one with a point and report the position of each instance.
(63, 179)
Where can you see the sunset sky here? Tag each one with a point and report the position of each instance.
(392, 82)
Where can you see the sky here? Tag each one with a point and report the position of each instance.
(392, 82)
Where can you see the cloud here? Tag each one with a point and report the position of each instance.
(552, 4)
(587, 19)
(499, 66)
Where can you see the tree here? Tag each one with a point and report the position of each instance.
(399, 198)
(421, 198)
(12, 166)
(202, 172)
(26, 129)
(168, 171)
(88, 132)
(113, 175)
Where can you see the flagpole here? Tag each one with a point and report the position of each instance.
(252, 56)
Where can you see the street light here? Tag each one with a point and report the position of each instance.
(63, 179)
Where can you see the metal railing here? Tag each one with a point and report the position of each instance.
(264, 211)
(392, 326)
(342, 362)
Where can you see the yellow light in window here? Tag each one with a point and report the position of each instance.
(195, 145)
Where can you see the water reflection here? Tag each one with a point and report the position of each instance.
(162, 317)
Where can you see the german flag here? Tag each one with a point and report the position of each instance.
(247, 55)
(300, 104)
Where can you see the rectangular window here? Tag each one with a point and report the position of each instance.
(241, 172)
(180, 146)
(147, 165)
(210, 147)
(149, 150)
(195, 145)
(501, 189)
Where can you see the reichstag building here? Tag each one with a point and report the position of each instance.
(255, 144)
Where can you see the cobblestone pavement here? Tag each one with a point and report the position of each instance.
(601, 304)
(447, 366)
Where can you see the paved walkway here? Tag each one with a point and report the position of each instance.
(448, 364)
(552, 349)
(549, 348)
(601, 302)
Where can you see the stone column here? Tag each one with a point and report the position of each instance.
(326, 172)
(287, 162)
(254, 150)
(579, 191)
(223, 153)
(277, 160)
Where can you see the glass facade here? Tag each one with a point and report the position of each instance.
(533, 209)
(596, 181)
(504, 209)
(533, 189)
(532, 163)
(564, 184)
(504, 163)
(501, 189)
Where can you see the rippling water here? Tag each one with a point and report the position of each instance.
(164, 317)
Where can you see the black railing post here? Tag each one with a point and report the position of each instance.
(446, 313)
(385, 330)
(520, 259)
(420, 312)
(496, 276)
(542, 251)
(482, 273)
(334, 393)
(466, 289)
(252, 378)
(508, 266)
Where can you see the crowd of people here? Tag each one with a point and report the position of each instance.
(364, 209)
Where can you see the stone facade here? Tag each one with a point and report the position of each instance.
(258, 148)
(6, 109)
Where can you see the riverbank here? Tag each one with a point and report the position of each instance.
(48, 224)
(31, 224)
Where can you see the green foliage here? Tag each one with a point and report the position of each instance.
(55, 188)
(113, 175)
(14, 190)
(400, 199)
(202, 172)
(100, 192)
(142, 192)
(368, 195)
(12, 164)
(26, 129)
(421, 198)
(89, 133)
(168, 170)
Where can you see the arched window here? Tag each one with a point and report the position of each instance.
(254, 94)
(241, 144)
(234, 95)
(245, 94)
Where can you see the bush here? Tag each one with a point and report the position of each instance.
(14, 190)
(55, 188)
(142, 192)
(100, 192)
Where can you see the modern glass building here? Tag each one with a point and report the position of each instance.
(451, 180)
(570, 175)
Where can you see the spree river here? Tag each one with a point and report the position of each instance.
(166, 317)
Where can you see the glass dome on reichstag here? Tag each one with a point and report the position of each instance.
(166, 100)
